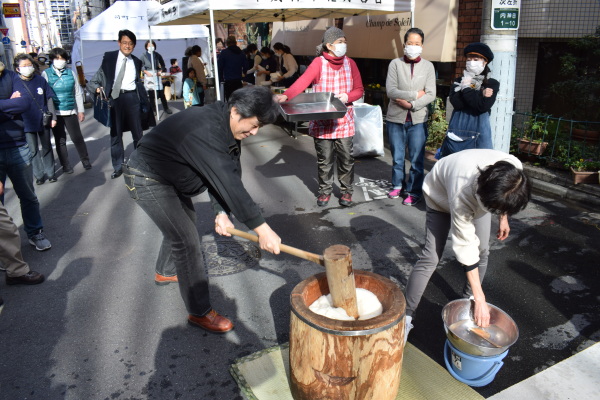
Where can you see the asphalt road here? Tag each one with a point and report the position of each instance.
(100, 329)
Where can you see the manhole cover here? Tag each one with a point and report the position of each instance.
(226, 256)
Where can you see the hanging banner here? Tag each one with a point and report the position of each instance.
(11, 10)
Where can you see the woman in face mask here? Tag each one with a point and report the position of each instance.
(267, 66)
(410, 86)
(288, 67)
(38, 119)
(68, 101)
(473, 95)
(332, 72)
(152, 72)
(254, 60)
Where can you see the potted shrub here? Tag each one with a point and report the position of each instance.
(585, 171)
(437, 125)
(532, 142)
(579, 90)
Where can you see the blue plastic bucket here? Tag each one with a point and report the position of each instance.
(473, 370)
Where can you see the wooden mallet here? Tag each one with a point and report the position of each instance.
(337, 261)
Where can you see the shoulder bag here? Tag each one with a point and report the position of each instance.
(102, 108)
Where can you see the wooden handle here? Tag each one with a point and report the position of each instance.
(284, 248)
(340, 278)
(485, 335)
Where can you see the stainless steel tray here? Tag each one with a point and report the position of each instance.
(312, 106)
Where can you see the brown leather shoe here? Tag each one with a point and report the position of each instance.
(30, 278)
(162, 280)
(212, 322)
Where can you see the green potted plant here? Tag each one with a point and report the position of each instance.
(585, 170)
(437, 126)
(579, 90)
(532, 142)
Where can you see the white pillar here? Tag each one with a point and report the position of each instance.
(504, 68)
(503, 44)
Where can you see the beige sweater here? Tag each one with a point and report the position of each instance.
(451, 187)
(400, 85)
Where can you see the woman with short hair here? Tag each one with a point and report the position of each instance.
(68, 102)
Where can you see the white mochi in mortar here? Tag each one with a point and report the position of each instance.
(367, 303)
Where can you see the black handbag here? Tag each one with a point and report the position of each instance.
(102, 109)
(47, 118)
(457, 141)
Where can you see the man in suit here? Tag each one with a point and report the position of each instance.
(120, 78)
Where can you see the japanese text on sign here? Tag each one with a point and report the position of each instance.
(505, 14)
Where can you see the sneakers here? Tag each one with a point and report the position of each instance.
(40, 181)
(39, 241)
(30, 278)
(346, 200)
(68, 170)
(395, 193)
(162, 280)
(407, 327)
(168, 111)
(323, 199)
(86, 165)
(52, 179)
(411, 200)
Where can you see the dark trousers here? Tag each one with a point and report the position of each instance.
(161, 95)
(125, 116)
(180, 253)
(231, 86)
(339, 151)
(71, 123)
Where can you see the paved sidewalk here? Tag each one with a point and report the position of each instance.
(575, 378)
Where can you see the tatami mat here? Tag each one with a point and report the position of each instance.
(265, 376)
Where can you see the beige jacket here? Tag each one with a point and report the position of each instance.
(451, 187)
(399, 85)
(196, 63)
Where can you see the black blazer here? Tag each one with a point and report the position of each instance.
(105, 76)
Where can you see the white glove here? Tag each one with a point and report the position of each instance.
(465, 81)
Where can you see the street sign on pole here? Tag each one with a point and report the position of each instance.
(505, 14)
(5, 40)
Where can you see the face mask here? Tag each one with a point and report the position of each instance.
(340, 49)
(475, 67)
(150, 49)
(26, 71)
(59, 64)
(412, 52)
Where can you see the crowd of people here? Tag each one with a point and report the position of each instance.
(200, 151)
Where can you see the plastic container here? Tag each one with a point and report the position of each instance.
(472, 370)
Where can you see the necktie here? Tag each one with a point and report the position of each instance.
(119, 81)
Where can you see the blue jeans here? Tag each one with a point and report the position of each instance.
(15, 163)
(180, 253)
(413, 137)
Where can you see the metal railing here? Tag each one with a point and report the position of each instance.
(554, 139)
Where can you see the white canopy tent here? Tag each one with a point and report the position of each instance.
(101, 33)
(182, 12)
